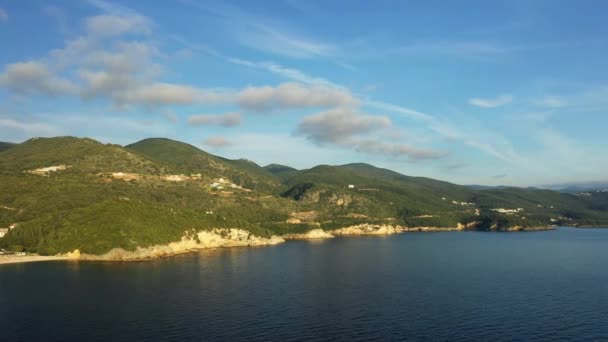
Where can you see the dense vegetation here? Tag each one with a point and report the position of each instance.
(5, 145)
(84, 207)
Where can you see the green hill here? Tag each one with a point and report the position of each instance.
(71, 193)
(281, 171)
(188, 159)
(5, 145)
(82, 154)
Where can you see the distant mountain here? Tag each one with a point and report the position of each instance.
(578, 187)
(278, 168)
(5, 145)
(69, 193)
(485, 187)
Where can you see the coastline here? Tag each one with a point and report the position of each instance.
(233, 237)
(13, 259)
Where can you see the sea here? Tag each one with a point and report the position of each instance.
(419, 286)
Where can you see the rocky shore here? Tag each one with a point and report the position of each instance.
(233, 237)
(310, 235)
(16, 259)
(216, 238)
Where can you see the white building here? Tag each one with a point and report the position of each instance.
(508, 211)
(351, 186)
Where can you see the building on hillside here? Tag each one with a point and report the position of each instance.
(351, 186)
(508, 211)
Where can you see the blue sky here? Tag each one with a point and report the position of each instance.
(483, 92)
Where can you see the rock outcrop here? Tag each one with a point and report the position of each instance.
(225, 237)
(310, 235)
(367, 229)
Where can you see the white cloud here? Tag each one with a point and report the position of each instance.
(294, 95)
(169, 94)
(397, 150)
(349, 128)
(491, 103)
(440, 127)
(339, 125)
(231, 119)
(3, 15)
(123, 71)
(34, 78)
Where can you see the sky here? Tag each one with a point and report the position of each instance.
(472, 92)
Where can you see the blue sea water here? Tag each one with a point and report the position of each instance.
(456, 286)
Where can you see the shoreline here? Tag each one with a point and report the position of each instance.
(13, 259)
(226, 238)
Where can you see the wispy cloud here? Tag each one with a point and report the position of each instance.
(231, 119)
(3, 15)
(28, 129)
(274, 41)
(294, 95)
(114, 25)
(491, 102)
(538, 117)
(441, 127)
(217, 142)
(264, 34)
(550, 102)
(59, 15)
(464, 49)
(454, 166)
(289, 73)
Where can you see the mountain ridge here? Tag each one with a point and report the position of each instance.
(70, 193)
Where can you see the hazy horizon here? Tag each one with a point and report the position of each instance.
(494, 93)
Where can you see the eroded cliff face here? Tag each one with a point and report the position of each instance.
(310, 235)
(387, 229)
(225, 237)
(233, 237)
(367, 229)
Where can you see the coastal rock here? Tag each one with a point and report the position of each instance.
(430, 229)
(310, 235)
(225, 237)
(367, 229)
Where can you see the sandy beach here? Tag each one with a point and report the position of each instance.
(13, 259)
